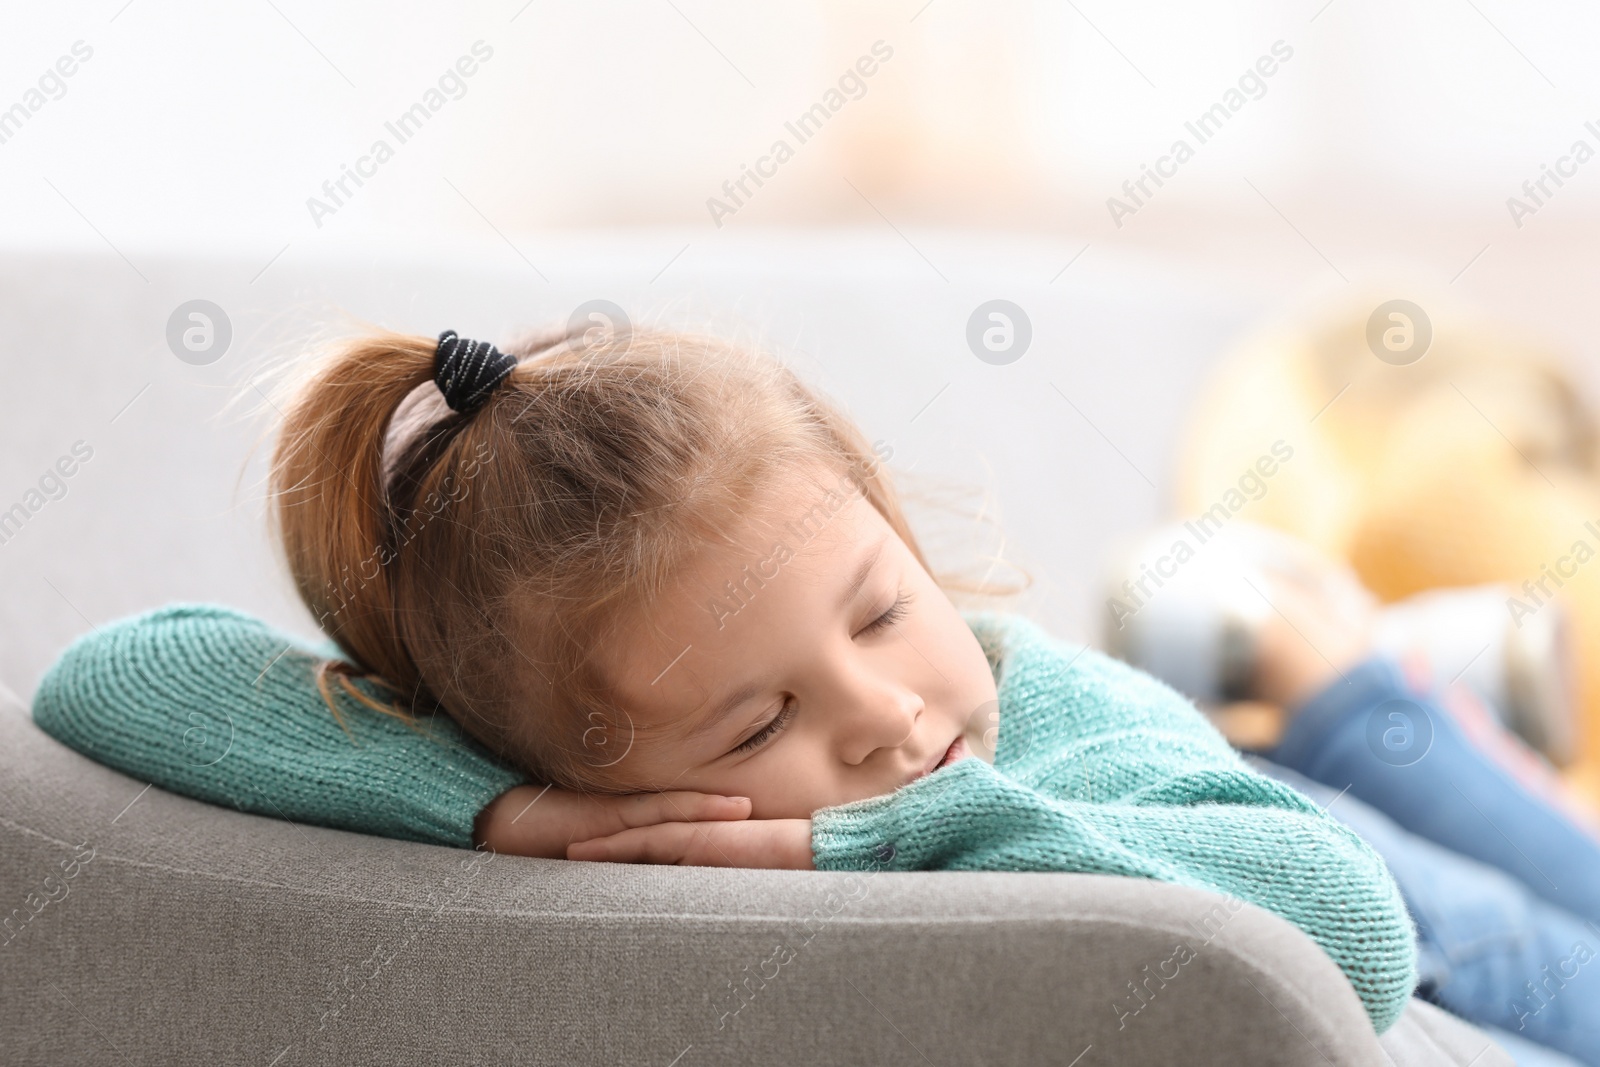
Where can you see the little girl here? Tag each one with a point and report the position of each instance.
(666, 598)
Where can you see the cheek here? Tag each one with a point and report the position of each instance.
(952, 660)
(951, 645)
(793, 780)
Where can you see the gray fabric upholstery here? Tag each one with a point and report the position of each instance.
(197, 934)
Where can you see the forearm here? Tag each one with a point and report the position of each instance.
(509, 824)
(213, 704)
(1300, 864)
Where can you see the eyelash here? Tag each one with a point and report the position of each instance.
(761, 736)
(896, 612)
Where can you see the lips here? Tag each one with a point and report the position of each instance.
(957, 750)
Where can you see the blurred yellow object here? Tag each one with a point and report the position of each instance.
(1474, 463)
(1249, 724)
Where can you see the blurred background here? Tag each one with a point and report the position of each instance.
(1392, 135)
(1153, 187)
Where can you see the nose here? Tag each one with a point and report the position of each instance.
(878, 716)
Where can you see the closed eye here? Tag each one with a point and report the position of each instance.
(896, 612)
(767, 732)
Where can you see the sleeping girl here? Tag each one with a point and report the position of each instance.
(653, 599)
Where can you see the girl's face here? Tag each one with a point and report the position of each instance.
(812, 666)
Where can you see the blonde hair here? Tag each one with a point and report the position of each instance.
(473, 564)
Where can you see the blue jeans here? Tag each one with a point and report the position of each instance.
(1504, 887)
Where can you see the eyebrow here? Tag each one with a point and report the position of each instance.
(852, 588)
(859, 578)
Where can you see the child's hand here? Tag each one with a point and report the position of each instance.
(530, 820)
(782, 843)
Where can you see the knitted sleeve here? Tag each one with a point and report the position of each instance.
(214, 704)
(1106, 770)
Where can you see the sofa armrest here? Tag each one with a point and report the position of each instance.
(150, 928)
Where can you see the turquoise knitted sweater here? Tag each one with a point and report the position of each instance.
(1098, 768)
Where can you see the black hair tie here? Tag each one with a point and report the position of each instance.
(466, 372)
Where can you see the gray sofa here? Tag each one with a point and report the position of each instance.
(169, 931)
(144, 927)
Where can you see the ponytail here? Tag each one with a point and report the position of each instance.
(329, 501)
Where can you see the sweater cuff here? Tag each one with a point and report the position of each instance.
(452, 789)
(900, 831)
(858, 836)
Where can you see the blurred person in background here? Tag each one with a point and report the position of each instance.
(1323, 688)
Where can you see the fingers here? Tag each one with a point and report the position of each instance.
(542, 821)
(784, 843)
(666, 842)
(647, 809)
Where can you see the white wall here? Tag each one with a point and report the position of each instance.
(196, 118)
